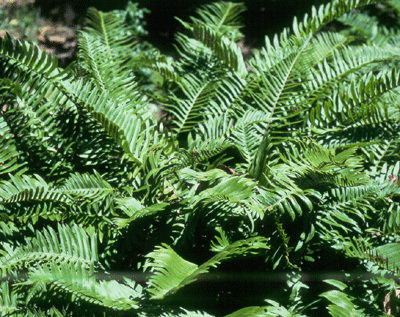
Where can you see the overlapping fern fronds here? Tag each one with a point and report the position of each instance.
(292, 156)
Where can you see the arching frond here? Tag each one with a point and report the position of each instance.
(102, 53)
(285, 196)
(337, 168)
(325, 14)
(24, 188)
(82, 285)
(173, 272)
(127, 124)
(367, 27)
(189, 112)
(70, 245)
(81, 186)
(22, 58)
(135, 210)
(227, 51)
(222, 17)
(248, 133)
(8, 151)
(342, 305)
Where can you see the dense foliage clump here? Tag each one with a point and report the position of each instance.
(134, 184)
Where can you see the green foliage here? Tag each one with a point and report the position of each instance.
(134, 184)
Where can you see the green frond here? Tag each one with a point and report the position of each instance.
(274, 309)
(342, 305)
(229, 96)
(316, 165)
(70, 245)
(226, 50)
(9, 300)
(247, 134)
(367, 28)
(125, 124)
(189, 111)
(390, 256)
(382, 174)
(188, 314)
(349, 115)
(285, 196)
(255, 311)
(348, 213)
(164, 174)
(235, 189)
(324, 44)
(384, 151)
(103, 46)
(258, 167)
(173, 272)
(214, 127)
(167, 70)
(234, 195)
(273, 88)
(8, 228)
(25, 188)
(197, 153)
(135, 210)
(82, 186)
(223, 17)
(391, 220)
(82, 284)
(21, 58)
(8, 151)
(128, 124)
(325, 14)
(345, 62)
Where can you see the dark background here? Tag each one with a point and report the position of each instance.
(263, 17)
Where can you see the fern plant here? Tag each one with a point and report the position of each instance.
(182, 201)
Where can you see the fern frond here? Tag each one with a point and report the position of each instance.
(189, 112)
(86, 186)
(70, 245)
(326, 165)
(342, 305)
(102, 53)
(379, 152)
(165, 172)
(188, 314)
(325, 14)
(324, 44)
(82, 284)
(214, 127)
(248, 133)
(135, 210)
(234, 196)
(223, 17)
(167, 70)
(173, 272)
(285, 196)
(128, 124)
(346, 62)
(122, 120)
(8, 151)
(367, 28)
(227, 51)
(25, 188)
(229, 96)
(22, 58)
(10, 302)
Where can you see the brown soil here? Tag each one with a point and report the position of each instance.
(53, 31)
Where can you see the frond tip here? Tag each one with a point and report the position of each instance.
(172, 272)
